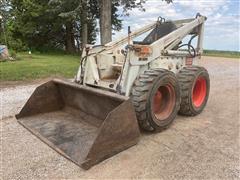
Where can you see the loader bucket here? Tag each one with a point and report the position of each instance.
(84, 124)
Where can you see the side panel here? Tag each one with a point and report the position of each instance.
(91, 74)
(118, 132)
(173, 63)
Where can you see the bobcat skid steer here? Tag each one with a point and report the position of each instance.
(121, 86)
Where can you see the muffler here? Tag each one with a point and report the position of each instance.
(84, 124)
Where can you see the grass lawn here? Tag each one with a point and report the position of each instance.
(227, 54)
(39, 66)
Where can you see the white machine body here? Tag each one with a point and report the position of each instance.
(116, 65)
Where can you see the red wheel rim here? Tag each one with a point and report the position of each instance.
(164, 102)
(199, 92)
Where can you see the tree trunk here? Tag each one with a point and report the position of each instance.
(70, 42)
(106, 21)
(84, 24)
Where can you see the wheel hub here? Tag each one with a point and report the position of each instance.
(164, 101)
(199, 92)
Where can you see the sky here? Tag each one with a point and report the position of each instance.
(222, 28)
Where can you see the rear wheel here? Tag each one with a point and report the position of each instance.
(156, 97)
(195, 85)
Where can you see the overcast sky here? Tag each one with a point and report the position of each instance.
(222, 26)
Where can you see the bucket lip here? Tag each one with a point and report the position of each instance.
(91, 89)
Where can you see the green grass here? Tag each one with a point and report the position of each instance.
(228, 54)
(39, 66)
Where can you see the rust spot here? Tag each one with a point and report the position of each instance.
(189, 61)
(142, 51)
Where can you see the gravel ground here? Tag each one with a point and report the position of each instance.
(13, 99)
(201, 147)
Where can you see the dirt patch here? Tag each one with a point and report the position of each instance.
(201, 147)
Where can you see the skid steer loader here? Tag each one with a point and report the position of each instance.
(120, 86)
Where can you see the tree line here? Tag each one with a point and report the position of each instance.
(61, 24)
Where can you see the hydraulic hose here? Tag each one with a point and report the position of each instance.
(190, 47)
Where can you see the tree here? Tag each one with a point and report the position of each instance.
(44, 25)
(86, 12)
(79, 13)
(106, 14)
(36, 26)
(64, 24)
(63, 9)
(106, 21)
(4, 15)
(84, 22)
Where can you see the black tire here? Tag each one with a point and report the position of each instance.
(156, 97)
(195, 86)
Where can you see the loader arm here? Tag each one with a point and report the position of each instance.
(163, 45)
(123, 40)
(99, 69)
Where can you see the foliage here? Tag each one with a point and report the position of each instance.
(35, 25)
(4, 15)
(56, 24)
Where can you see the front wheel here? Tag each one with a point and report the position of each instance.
(195, 85)
(156, 97)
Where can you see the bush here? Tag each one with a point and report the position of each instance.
(17, 45)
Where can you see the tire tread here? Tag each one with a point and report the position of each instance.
(185, 77)
(141, 87)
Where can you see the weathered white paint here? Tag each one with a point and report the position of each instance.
(111, 67)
